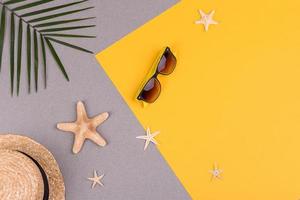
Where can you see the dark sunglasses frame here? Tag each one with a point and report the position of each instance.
(157, 72)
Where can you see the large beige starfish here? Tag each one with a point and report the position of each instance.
(84, 128)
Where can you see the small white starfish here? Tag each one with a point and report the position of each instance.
(149, 138)
(207, 19)
(216, 172)
(96, 179)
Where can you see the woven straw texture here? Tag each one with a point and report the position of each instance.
(20, 176)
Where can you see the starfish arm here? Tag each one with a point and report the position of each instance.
(95, 137)
(148, 131)
(146, 144)
(213, 22)
(199, 22)
(206, 25)
(142, 137)
(155, 133)
(81, 112)
(215, 166)
(94, 183)
(97, 120)
(211, 14)
(154, 141)
(100, 177)
(67, 126)
(78, 142)
(201, 13)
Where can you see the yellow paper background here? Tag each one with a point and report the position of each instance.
(234, 98)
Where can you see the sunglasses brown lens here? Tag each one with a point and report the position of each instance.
(151, 91)
(167, 63)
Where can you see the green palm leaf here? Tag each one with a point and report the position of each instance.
(19, 56)
(65, 28)
(61, 22)
(57, 15)
(30, 5)
(46, 35)
(68, 35)
(28, 57)
(44, 60)
(69, 45)
(12, 52)
(13, 2)
(2, 33)
(51, 9)
(55, 56)
(36, 59)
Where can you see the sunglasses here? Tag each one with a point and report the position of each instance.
(165, 65)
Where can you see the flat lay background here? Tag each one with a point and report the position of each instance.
(233, 99)
(130, 173)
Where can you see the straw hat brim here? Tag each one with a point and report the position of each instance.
(42, 156)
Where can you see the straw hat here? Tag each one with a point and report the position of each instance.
(28, 171)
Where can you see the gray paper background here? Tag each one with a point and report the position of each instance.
(130, 173)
